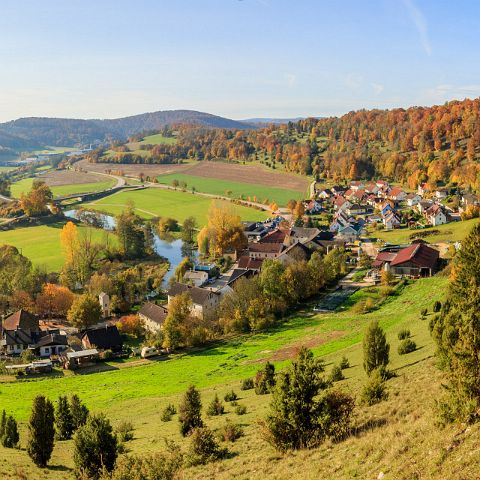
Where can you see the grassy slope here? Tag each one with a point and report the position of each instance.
(26, 184)
(455, 231)
(168, 203)
(42, 243)
(398, 447)
(224, 187)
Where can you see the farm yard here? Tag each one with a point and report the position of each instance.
(41, 244)
(138, 391)
(65, 182)
(157, 202)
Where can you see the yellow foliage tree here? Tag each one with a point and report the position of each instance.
(69, 241)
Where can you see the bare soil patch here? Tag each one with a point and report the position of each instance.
(248, 174)
(59, 178)
(131, 169)
(290, 351)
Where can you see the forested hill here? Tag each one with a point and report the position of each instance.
(436, 144)
(25, 133)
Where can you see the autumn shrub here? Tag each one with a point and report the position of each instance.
(344, 363)
(247, 384)
(125, 431)
(215, 407)
(374, 390)
(131, 325)
(230, 396)
(168, 412)
(407, 346)
(240, 409)
(204, 448)
(403, 334)
(265, 379)
(336, 374)
(230, 432)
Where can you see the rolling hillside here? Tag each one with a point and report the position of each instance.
(32, 132)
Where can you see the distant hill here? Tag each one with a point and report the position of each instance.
(32, 132)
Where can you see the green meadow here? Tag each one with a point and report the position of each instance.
(157, 202)
(41, 244)
(454, 231)
(24, 186)
(234, 189)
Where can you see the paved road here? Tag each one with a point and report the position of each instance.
(120, 180)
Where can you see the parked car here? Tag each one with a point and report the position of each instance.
(149, 352)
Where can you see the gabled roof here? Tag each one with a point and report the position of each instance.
(16, 337)
(419, 254)
(245, 262)
(277, 236)
(51, 339)
(298, 251)
(155, 313)
(103, 337)
(395, 191)
(266, 247)
(21, 320)
(435, 209)
(198, 295)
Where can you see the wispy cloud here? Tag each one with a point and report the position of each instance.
(420, 23)
(353, 81)
(377, 88)
(448, 91)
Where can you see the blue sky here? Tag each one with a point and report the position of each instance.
(237, 58)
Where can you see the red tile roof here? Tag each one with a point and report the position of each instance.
(250, 263)
(419, 254)
(277, 236)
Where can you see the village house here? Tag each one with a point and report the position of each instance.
(436, 215)
(423, 189)
(18, 332)
(349, 234)
(341, 203)
(391, 220)
(423, 206)
(325, 193)
(103, 338)
(469, 199)
(296, 252)
(204, 301)
(312, 207)
(264, 250)
(356, 209)
(372, 188)
(51, 344)
(338, 190)
(397, 194)
(441, 193)
(104, 301)
(153, 316)
(196, 278)
(413, 199)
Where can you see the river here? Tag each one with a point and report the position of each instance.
(174, 250)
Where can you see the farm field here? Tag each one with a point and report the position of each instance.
(4, 169)
(262, 193)
(41, 244)
(454, 231)
(139, 393)
(157, 202)
(25, 185)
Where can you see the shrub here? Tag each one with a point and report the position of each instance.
(159, 466)
(336, 374)
(230, 396)
(375, 348)
(78, 411)
(63, 419)
(240, 409)
(42, 431)
(190, 415)
(204, 448)
(95, 447)
(265, 379)
(231, 432)
(125, 431)
(424, 312)
(407, 346)
(403, 334)
(10, 435)
(216, 407)
(303, 412)
(344, 363)
(437, 306)
(247, 384)
(168, 412)
(374, 390)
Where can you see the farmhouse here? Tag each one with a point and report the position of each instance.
(153, 316)
(195, 277)
(18, 332)
(104, 338)
(391, 220)
(264, 250)
(397, 194)
(413, 199)
(436, 215)
(51, 344)
(416, 260)
(204, 301)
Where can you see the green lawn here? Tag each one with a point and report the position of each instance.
(42, 243)
(25, 185)
(455, 231)
(234, 189)
(6, 169)
(153, 202)
(157, 139)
